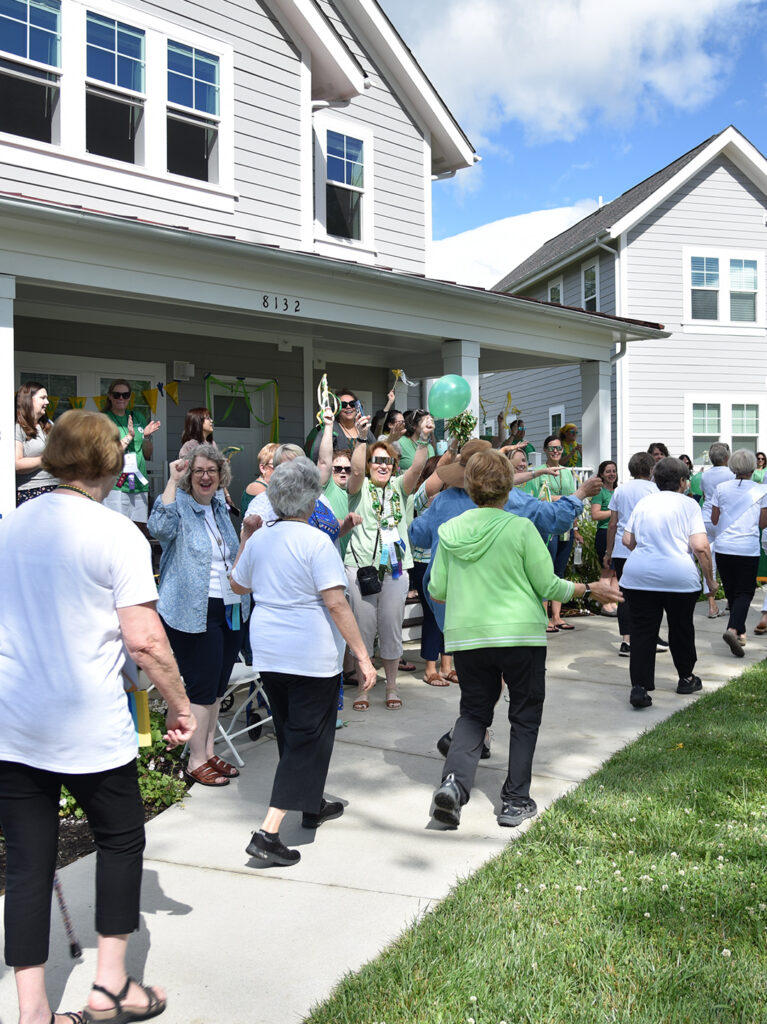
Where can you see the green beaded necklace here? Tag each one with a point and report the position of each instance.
(378, 506)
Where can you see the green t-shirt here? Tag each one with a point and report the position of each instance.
(545, 486)
(603, 500)
(136, 446)
(339, 502)
(407, 448)
(364, 537)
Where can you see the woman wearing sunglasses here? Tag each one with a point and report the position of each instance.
(415, 422)
(552, 488)
(346, 431)
(130, 495)
(379, 496)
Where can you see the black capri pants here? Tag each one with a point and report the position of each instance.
(29, 816)
(738, 574)
(304, 710)
(205, 660)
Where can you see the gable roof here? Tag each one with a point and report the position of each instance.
(610, 221)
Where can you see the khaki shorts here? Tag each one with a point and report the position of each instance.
(133, 505)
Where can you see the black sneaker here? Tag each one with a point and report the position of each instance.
(447, 802)
(443, 745)
(661, 646)
(690, 685)
(514, 811)
(639, 697)
(271, 851)
(328, 809)
(733, 643)
(625, 650)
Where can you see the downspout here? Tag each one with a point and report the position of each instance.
(616, 357)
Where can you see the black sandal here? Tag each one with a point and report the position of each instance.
(121, 1014)
(74, 1016)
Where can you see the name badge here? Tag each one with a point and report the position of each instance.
(227, 594)
(130, 463)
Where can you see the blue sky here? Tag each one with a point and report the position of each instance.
(569, 100)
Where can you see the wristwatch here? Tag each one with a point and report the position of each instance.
(587, 591)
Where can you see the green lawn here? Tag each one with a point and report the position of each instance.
(640, 897)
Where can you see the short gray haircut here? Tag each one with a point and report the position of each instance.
(669, 473)
(719, 453)
(286, 452)
(743, 462)
(294, 488)
(206, 451)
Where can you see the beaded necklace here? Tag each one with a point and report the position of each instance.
(377, 498)
(78, 490)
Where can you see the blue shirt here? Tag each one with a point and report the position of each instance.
(186, 559)
(547, 517)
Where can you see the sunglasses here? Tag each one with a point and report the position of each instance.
(121, 394)
(554, 448)
(381, 460)
(348, 405)
(342, 469)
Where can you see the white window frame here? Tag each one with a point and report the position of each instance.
(556, 282)
(743, 327)
(725, 400)
(67, 157)
(556, 410)
(594, 262)
(54, 83)
(325, 121)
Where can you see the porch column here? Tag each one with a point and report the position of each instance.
(595, 403)
(7, 388)
(462, 357)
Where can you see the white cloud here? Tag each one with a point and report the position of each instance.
(556, 65)
(484, 255)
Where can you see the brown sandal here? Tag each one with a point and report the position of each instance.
(360, 704)
(206, 775)
(223, 767)
(452, 675)
(392, 702)
(124, 1013)
(435, 679)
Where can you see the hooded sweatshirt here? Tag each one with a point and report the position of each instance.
(493, 571)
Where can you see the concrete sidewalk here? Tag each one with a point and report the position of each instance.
(235, 944)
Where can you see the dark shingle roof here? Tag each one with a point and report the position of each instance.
(589, 227)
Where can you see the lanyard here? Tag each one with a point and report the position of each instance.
(219, 539)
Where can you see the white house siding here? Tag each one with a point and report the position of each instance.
(718, 207)
(400, 182)
(267, 100)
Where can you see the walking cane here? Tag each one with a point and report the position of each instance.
(75, 949)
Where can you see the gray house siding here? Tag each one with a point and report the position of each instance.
(534, 392)
(266, 137)
(400, 181)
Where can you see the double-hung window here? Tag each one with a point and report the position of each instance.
(590, 286)
(30, 62)
(345, 185)
(722, 417)
(193, 112)
(114, 93)
(723, 288)
(555, 290)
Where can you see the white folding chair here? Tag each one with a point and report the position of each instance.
(242, 675)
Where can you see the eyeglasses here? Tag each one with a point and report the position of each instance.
(554, 448)
(342, 469)
(348, 405)
(204, 472)
(381, 460)
(121, 394)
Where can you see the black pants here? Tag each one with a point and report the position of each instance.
(647, 608)
(624, 612)
(29, 816)
(480, 671)
(304, 710)
(205, 660)
(738, 574)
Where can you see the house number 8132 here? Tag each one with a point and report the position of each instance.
(280, 304)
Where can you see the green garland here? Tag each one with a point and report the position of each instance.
(461, 427)
(239, 387)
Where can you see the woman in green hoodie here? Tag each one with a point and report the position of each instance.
(493, 571)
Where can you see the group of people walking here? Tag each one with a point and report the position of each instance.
(319, 574)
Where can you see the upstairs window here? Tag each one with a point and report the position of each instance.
(724, 288)
(113, 115)
(555, 291)
(30, 35)
(344, 189)
(193, 112)
(590, 287)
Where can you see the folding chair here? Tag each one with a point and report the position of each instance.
(243, 675)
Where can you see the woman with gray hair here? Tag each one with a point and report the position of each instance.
(298, 583)
(739, 514)
(201, 613)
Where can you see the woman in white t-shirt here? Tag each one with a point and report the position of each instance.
(202, 616)
(64, 716)
(300, 625)
(663, 533)
(738, 515)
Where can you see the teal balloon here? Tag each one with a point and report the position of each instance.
(449, 396)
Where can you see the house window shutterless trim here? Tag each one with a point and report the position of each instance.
(722, 287)
(30, 33)
(193, 106)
